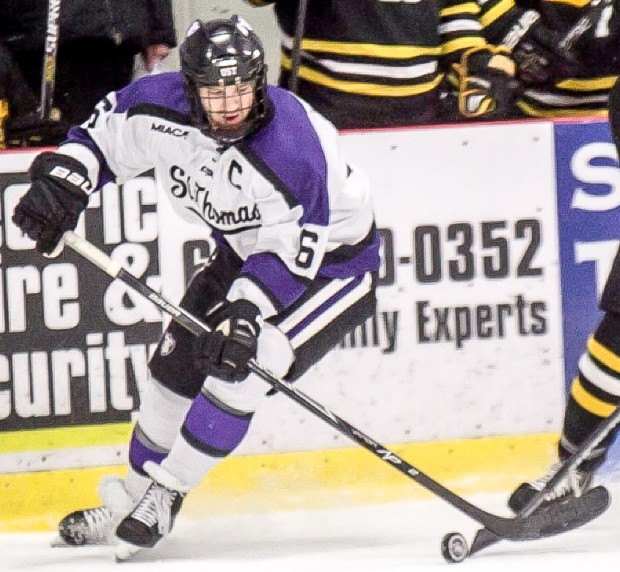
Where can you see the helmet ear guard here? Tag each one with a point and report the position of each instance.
(223, 53)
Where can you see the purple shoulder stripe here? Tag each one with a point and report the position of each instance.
(165, 89)
(290, 150)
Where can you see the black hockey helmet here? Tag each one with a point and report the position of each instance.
(223, 53)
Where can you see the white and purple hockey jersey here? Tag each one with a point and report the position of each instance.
(284, 199)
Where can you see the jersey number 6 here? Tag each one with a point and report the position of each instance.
(307, 242)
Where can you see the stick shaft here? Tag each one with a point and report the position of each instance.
(300, 26)
(48, 79)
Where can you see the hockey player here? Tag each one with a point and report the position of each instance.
(379, 63)
(595, 391)
(566, 65)
(293, 272)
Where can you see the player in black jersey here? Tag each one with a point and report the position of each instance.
(595, 390)
(567, 53)
(378, 63)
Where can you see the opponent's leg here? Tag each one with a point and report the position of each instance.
(595, 391)
(594, 395)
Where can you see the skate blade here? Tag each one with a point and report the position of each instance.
(125, 551)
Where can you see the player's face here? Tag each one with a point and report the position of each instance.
(227, 106)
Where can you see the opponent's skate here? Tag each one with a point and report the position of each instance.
(576, 483)
(153, 517)
(95, 526)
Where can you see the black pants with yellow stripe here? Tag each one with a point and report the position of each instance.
(595, 391)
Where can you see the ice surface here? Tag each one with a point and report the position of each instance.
(395, 537)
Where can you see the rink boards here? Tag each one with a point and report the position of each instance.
(496, 242)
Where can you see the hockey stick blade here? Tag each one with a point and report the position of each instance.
(556, 518)
(571, 512)
(604, 428)
(508, 528)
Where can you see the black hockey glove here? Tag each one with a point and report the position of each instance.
(53, 203)
(226, 351)
(537, 51)
(487, 88)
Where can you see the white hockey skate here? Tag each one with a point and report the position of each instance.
(95, 526)
(153, 517)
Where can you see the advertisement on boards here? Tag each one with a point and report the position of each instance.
(468, 216)
(74, 346)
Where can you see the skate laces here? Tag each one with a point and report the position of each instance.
(155, 508)
(98, 523)
(574, 482)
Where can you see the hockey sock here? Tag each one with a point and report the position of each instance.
(142, 449)
(211, 431)
(161, 416)
(595, 391)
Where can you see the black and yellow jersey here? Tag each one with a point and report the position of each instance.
(584, 91)
(370, 63)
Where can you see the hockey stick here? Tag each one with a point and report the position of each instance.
(604, 428)
(48, 79)
(300, 26)
(533, 527)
